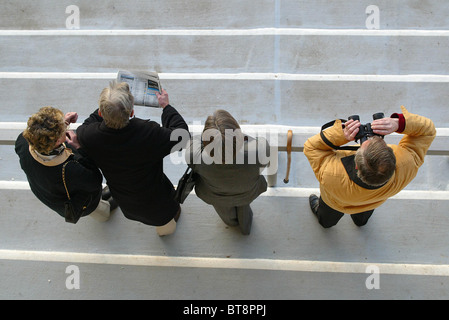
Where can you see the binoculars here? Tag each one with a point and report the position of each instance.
(365, 130)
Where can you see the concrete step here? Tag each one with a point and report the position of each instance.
(287, 256)
(137, 278)
(135, 14)
(40, 279)
(433, 174)
(216, 14)
(252, 51)
(295, 64)
(303, 100)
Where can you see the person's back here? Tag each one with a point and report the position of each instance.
(347, 183)
(228, 167)
(44, 157)
(131, 157)
(238, 182)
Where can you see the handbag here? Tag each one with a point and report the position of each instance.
(70, 213)
(185, 185)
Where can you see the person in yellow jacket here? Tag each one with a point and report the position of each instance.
(357, 182)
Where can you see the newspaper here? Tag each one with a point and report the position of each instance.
(143, 86)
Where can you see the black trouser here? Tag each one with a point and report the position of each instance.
(329, 217)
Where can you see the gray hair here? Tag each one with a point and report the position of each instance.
(116, 105)
(221, 127)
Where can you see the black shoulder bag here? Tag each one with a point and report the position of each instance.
(70, 213)
(185, 185)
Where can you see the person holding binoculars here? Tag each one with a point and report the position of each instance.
(357, 182)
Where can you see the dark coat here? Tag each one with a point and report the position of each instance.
(83, 179)
(131, 161)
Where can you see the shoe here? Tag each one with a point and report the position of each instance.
(314, 202)
(176, 217)
(106, 193)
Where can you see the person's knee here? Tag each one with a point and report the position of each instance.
(103, 211)
(329, 220)
(361, 219)
(245, 219)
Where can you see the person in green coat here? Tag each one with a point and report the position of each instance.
(228, 166)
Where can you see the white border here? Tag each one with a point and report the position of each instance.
(224, 263)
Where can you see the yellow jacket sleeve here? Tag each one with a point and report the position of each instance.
(319, 154)
(419, 134)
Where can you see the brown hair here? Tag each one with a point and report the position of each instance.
(44, 128)
(227, 127)
(376, 163)
(116, 105)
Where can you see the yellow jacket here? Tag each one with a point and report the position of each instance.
(341, 193)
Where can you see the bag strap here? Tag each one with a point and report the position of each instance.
(63, 178)
(330, 144)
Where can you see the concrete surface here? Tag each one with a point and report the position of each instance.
(284, 229)
(287, 63)
(216, 14)
(294, 103)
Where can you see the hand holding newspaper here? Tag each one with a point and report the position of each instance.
(143, 86)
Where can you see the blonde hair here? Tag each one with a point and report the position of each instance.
(375, 164)
(44, 128)
(116, 105)
(223, 125)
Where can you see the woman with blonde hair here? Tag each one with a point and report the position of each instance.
(228, 169)
(56, 170)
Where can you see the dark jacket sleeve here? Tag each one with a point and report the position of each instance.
(94, 117)
(83, 158)
(174, 133)
(172, 120)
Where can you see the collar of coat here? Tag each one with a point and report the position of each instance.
(52, 161)
(349, 164)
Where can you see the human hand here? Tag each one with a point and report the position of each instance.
(385, 126)
(72, 139)
(351, 129)
(162, 98)
(70, 117)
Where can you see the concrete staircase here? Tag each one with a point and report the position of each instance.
(276, 65)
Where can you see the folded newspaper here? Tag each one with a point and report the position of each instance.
(143, 86)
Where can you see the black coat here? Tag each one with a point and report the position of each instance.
(83, 180)
(131, 160)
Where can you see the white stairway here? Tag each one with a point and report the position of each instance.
(279, 65)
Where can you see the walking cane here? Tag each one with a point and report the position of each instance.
(289, 154)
